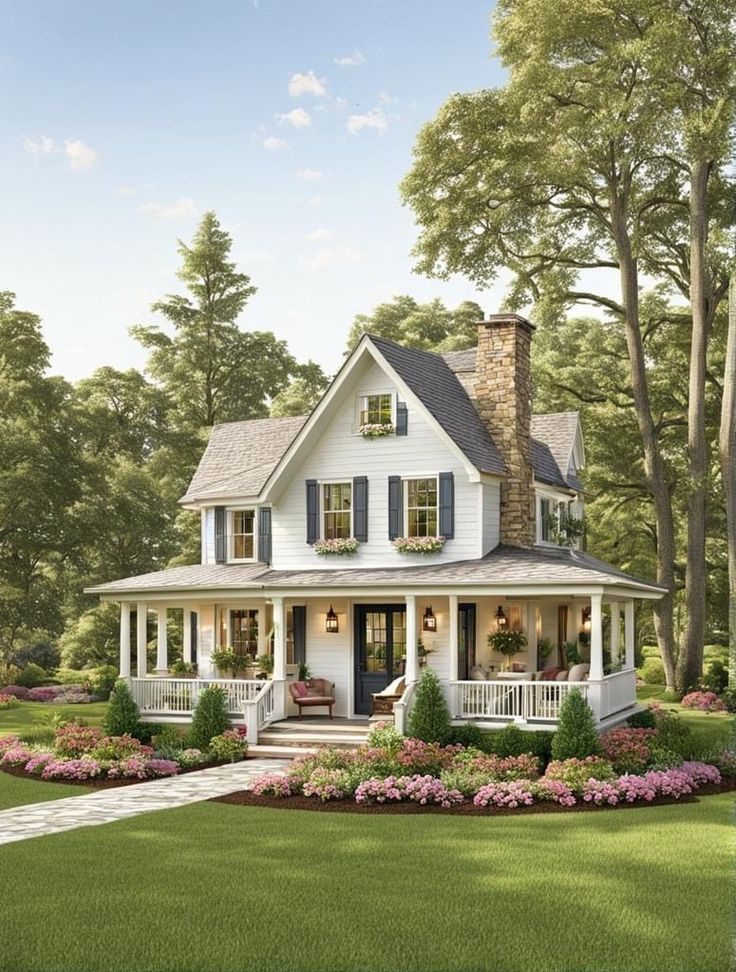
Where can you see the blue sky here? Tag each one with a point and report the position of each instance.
(294, 121)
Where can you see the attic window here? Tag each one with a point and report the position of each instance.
(376, 410)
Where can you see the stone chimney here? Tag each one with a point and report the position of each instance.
(503, 397)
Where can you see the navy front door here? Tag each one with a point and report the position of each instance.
(380, 650)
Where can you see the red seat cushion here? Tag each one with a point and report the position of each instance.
(549, 674)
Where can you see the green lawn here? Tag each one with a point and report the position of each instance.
(15, 791)
(219, 887)
(29, 715)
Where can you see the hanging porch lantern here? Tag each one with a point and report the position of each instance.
(331, 622)
(500, 618)
(429, 621)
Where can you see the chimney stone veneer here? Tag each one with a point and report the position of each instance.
(503, 397)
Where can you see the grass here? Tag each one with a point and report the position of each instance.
(30, 715)
(16, 791)
(219, 887)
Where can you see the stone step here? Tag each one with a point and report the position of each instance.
(280, 752)
(302, 741)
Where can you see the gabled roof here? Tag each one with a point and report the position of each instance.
(431, 379)
(240, 457)
(558, 431)
(504, 565)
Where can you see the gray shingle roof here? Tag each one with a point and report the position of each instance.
(557, 431)
(240, 456)
(504, 565)
(431, 379)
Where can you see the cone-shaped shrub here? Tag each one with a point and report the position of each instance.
(122, 714)
(430, 718)
(576, 735)
(210, 717)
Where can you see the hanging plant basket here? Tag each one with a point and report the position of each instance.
(340, 547)
(376, 430)
(419, 545)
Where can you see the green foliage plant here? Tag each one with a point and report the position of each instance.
(122, 716)
(507, 643)
(429, 719)
(210, 717)
(576, 735)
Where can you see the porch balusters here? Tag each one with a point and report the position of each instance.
(141, 627)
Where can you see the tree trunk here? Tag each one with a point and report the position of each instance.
(653, 463)
(690, 661)
(727, 446)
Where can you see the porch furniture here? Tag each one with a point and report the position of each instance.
(383, 702)
(512, 676)
(316, 691)
(579, 673)
(477, 674)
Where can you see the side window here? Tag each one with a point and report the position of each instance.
(376, 410)
(242, 534)
(336, 510)
(421, 507)
(544, 513)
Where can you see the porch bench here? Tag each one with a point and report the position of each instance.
(383, 702)
(316, 691)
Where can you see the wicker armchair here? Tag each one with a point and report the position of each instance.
(317, 691)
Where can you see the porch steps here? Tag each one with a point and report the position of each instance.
(303, 736)
(280, 752)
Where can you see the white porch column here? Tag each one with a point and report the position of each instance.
(412, 657)
(629, 635)
(615, 633)
(279, 639)
(141, 637)
(124, 640)
(596, 638)
(186, 635)
(452, 620)
(162, 651)
(531, 631)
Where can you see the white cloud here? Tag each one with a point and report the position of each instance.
(387, 99)
(309, 175)
(43, 146)
(375, 119)
(79, 155)
(316, 236)
(308, 83)
(350, 60)
(273, 144)
(299, 118)
(126, 191)
(331, 258)
(314, 201)
(181, 209)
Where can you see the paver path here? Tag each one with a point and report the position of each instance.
(105, 806)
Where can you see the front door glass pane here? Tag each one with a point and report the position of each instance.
(399, 643)
(376, 641)
(244, 627)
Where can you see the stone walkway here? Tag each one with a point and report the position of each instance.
(106, 806)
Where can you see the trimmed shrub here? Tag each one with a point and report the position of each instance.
(642, 720)
(652, 672)
(576, 734)
(430, 718)
(716, 676)
(44, 693)
(8, 702)
(18, 691)
(210, 717)
(510, 741)
(122, 716)
(728, 695)
(32, 676)
(704, 702)
(229, 746)
(469, 736)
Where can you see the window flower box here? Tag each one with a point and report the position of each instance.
(374, 430)
(340, 546)
(421, 545)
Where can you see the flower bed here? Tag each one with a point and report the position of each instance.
(704, 702)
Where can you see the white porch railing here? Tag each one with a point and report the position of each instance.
(402, 708)
(259, 711)
(179, 696)
(523, 700)
(618, 692)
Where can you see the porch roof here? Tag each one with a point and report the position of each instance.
(505, 565)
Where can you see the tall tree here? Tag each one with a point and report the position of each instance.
(302, 394)
(430, 326)
(573, 166)
(727, 445)
(211, 370)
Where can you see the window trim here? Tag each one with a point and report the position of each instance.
(405, 480)
(230, 524)
(321, 483)
(362, 397)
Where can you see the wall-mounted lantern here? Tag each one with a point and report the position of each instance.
(500, 619)
(429, 621)
(331, 622)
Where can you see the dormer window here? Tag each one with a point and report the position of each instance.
(242, 535)
(376, 410)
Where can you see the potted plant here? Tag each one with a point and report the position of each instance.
(545, 647)
(419, 545)
(304, 673)
(507, 643)
(422, 652)
(183, 669)
(226, 660)
(265, 664)
(339, 546)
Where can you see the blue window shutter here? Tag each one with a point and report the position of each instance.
(402, 418)
(360, 508)
(264, 534)
(447, 505)
(193, 629)
(299, 624)
(395, 507)
(312, 511)
(220, 535)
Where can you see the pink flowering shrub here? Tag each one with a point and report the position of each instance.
(229, 746)
(327, 784)
(670, 782)
(522, 767)
(162, 767)
(418, 757)
(425, 790)
(698, 772)
(628, 750)
(73, 740)
(17, 691)
(8, 702)
(575, 772)
(16, 756)
(9, 742)
(138, 767)
(554, 791)
(725, 761)
(606, 791)
(514, 793)
(83, 768)
(42, 694)
(377, 790)
(38, 763)
(704, 701)
(119, 747)
(191, 757)
(271, 784)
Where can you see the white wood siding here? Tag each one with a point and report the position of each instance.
(341, 455)
(490, 516)
(331, 655)
(208, 535)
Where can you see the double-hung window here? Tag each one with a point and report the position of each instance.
(336, 511)
(376, 410)
(242, 535)
(421, 507)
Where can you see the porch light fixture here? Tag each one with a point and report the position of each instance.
(331, 622)
(585, 628)
(500, 618)
(429, 621)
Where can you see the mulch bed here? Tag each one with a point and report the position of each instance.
(244, 798)
(111, 784)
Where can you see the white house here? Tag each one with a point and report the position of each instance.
(406, 445)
